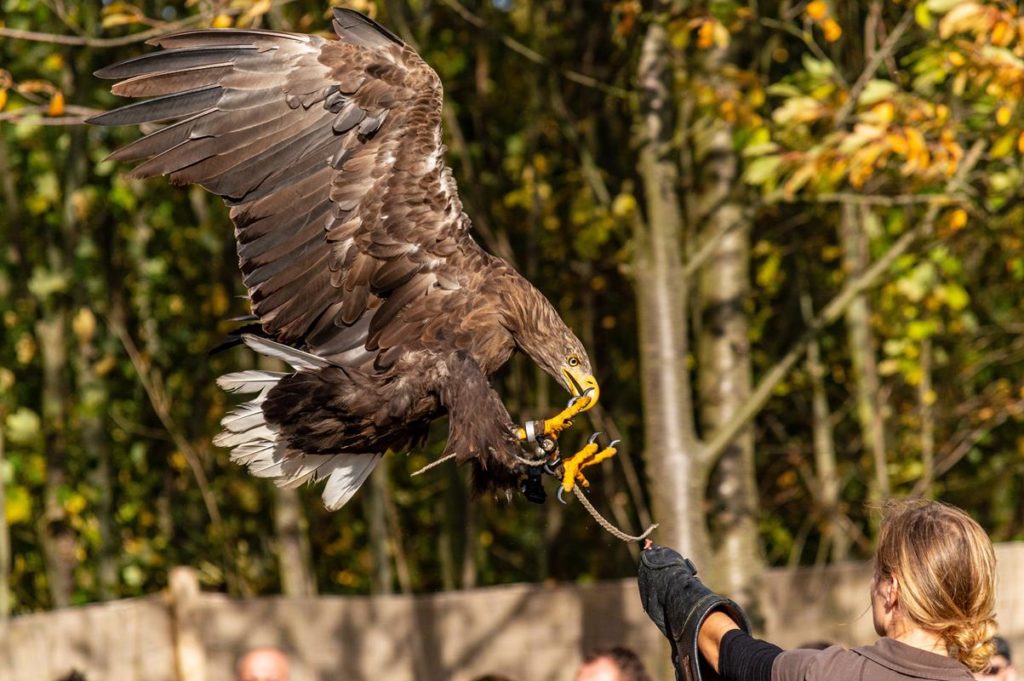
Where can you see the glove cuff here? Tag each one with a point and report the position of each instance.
(690, 661)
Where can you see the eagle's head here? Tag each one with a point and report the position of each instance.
(539, 331)
(575, 374)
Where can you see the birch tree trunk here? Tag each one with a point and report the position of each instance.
(671, 449)
(825, 465)
(862, 349)
(724, 379)
(5, 532)
(293, 550)
(55, 532)
(92, 405)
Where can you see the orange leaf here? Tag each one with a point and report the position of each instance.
(817, 10)
(832, 30)
(56, 105)
(221, 21)
(706, 35)
(957, 219)
(3, 100)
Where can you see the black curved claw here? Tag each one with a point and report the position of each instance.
(576, 398)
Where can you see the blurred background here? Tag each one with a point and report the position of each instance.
(790, 234)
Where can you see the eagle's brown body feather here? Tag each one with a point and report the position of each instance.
(352, 243)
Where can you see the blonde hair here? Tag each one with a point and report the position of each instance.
(946, 570)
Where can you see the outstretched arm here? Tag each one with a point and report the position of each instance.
(709, 639)
(709, 634)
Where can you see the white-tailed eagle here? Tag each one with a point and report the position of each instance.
(357, 256)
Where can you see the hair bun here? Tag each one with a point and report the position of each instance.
(971, 642)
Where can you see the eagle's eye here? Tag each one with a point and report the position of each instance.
(574, 361)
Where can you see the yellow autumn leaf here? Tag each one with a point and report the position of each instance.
(1002, 34)
(720, 35)
(54, 62)
(3, 99)
(75, 504)
(1003, 115)
(965, 17)
(258, 9)
(25, 348)
(898, 143)
(883, 112)
(817, 10)
(18, 506)
(1020, 143)
(221, 21)
(56, 105)
(84, 324)
(832, 30)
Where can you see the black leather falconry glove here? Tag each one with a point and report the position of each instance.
(678, 603)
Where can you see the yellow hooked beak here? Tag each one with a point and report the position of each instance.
(581, 385)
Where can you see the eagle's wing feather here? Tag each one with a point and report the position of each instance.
(329, 154)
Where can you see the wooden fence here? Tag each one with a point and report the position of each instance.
(527, 632)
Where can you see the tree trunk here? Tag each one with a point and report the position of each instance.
(57, 538)
(374, 502)
(5, 533)
(926, 402)
(671, 449)
(91, 408)
(862, 349)
(724, 383)
(293, 551)
(825, 466)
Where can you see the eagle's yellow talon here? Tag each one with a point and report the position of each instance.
(588, 456)
(555, 425)
(572, 465)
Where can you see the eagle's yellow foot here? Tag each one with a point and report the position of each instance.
(590, 455)
(554, 426)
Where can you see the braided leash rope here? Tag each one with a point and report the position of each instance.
(606, 524)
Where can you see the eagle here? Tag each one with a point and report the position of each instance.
(359, 262)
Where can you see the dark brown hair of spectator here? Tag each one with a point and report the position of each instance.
(628, 662)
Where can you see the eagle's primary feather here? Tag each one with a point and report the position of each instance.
(353, 246)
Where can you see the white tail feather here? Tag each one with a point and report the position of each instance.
(297, 359)
(349, 473)
(243, 418)
(249, 381)
(262, 431)
(254, 443)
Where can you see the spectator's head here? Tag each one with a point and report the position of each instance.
(73, 675)
(612, 664)
(1000, 666)
(935, 570)
(263, 664)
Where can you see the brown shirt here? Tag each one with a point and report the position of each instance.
(885, 660)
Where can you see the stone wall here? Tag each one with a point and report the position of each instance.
(527, 632)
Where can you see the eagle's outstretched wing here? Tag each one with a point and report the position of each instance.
(329, 155)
